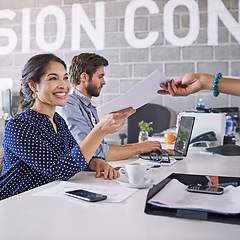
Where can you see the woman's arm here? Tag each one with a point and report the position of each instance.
(25, 142)
(111, 123)
(79, 125)
(194, 82)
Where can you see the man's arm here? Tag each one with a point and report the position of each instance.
(120, 152)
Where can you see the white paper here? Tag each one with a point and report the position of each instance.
(175, 195)
(139, 95)
(152, 163)
(114, 194)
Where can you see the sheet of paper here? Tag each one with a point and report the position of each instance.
(139, 95)
(151, 163)
(175, 195)
(114, 194)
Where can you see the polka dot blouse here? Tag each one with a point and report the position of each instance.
(34, 154)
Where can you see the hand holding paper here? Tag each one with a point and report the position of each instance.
(142, 93)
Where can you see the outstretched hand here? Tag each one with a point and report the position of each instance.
(182, 86)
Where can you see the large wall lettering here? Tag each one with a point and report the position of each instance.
(96, 32)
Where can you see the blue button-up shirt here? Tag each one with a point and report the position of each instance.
(79, 114)
(34, 154)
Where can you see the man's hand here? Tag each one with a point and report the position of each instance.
(149, 146)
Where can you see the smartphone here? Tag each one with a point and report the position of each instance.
(206, 189)
(86, 195)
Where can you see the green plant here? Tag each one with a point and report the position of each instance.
(144, 126)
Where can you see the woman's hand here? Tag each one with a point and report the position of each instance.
(100, 166)
(113, 122)
(184, 85)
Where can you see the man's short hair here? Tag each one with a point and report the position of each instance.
(85, 62)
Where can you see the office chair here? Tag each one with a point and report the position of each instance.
(159, 115)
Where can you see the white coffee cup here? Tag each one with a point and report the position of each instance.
(135, 172)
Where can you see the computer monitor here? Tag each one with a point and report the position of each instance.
(184, 135)
(7, 102)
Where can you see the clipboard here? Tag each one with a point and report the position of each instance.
(186, 213)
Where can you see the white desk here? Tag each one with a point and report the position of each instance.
(27, 217)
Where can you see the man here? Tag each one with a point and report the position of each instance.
(87, 77)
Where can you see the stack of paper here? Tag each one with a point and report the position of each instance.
(114, 194)
(175, 195)
(152, 163)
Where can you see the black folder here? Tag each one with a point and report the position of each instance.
(189, 179)
(227, 150)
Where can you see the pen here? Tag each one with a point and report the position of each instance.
(207, 153)
(155, 166)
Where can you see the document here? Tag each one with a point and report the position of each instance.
(175, 195)
(139, 95)
(114, 194)
(152, 163)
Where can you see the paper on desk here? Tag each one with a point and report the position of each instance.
(152, 163)
(114, 194)
(175, 195)
(142, 93)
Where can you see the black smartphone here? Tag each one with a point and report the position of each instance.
(212, 189)
(86, 195)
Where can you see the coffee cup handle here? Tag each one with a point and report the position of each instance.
(122, 171)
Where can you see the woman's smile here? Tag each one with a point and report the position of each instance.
(61, 95)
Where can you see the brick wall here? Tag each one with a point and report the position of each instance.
(128, 64)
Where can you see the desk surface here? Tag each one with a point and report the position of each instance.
(27, 217)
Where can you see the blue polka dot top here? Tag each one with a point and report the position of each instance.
(34, 154)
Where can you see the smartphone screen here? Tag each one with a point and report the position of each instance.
(86, 195)
(212, 189)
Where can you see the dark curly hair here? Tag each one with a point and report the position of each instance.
(85, 62)
(33, 71)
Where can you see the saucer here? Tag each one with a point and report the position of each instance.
(147, 182)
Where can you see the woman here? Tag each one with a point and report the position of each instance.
(38, 147)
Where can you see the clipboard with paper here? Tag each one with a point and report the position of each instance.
(213, 212)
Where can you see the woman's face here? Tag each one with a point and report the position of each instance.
(54, 86)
